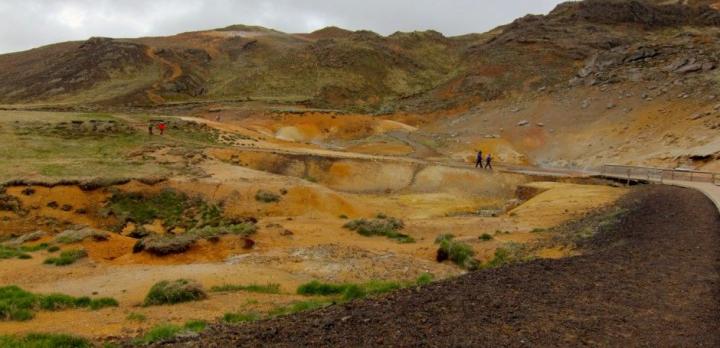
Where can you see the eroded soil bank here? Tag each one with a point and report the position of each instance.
(650, 280)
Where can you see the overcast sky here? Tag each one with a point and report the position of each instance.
(30, 23)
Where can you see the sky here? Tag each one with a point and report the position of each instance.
(31, 23)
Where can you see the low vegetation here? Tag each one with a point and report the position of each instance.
(38, 340)
(76, 236)
(380, 226)
(167, 244)
(175, 209)
(486, 237)
(164, 332)
(458, 252)
(236, 318)
(508, 254)
(12, 252)
(177, 291)
(270, 288)
(138, 317)
(267, 197)
(348, 291)
(19, 305)
(67, 257)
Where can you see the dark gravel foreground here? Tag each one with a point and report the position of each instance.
(652, 280)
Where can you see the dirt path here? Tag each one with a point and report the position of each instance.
(175, 72)
(652, 280)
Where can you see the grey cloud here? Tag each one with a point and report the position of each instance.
(31, 23)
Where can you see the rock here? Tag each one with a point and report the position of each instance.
(540, 124)
(585, 104)
(611, 105)
(707, 66)
(689, 68)
(523, 123)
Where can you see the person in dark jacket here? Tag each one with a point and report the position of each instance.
(487, 162)
(150, 128)
(479, 160)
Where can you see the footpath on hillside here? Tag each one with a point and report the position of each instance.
(650, 280)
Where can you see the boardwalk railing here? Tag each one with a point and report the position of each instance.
(658, 174)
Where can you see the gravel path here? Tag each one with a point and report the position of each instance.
(652, 280)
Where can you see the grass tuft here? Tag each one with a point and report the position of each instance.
(380, 226)
(267, 197)
(67, 257)
(177, 291)
(270, 288)
(458, 252)
(236, 318)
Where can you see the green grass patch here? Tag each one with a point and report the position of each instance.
(424, 279)
(537, 230)
(195, 325)
(380, 226)
(7, 252)
(34, 248)
(458, 252)
(159, 333)
(177, 291)
(270, 288)
(347, 291)
(19, 305)
(67, 257)
(236, 318)
(41, 340)
(53, 248)
(508, 254)
(138, 317)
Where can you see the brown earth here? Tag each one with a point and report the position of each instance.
(649, 280)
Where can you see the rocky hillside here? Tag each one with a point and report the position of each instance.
(336, 68)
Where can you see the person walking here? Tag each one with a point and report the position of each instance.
(161, 127)
(150, 128)
(487, 162)
(479, 160)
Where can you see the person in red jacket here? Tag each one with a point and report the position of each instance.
(161, 127)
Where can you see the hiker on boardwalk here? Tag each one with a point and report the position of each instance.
(161, 127)
(487, 162)
(150, 128)
(479, 160)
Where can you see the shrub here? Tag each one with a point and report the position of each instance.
(235, 318)
(66, 257)
(537, 230)
(459, 253)
(267, 197)
(53, 248)
(55, 302)
(486, 237)
(381, 226)
(36, 340)
(13, 252)
(171, 292)
(270, 288)
(162, 245)
(76, 236)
